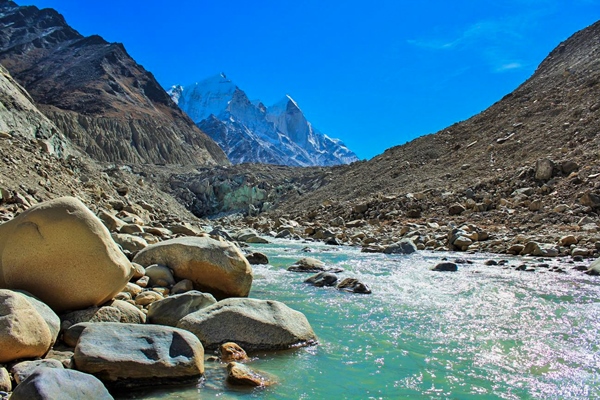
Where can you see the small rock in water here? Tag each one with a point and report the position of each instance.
(232, 352)
(446, 267)
(353, 285)
(491, 262)
(322, 279)
(257, 258)
(240, 374)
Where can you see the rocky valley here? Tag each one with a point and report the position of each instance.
(101, 167)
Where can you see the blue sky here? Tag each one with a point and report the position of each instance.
(372, 73)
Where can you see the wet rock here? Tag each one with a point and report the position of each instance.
(257, 258)
(242, 375)
(490, 262)
(446, 267)
(353, 285)
(64, 384)
(171, 309)
(129, 355)
(232, 352)
(214, 266)
(251, 323)
(308, 264)
(322, 279)
(594, 268)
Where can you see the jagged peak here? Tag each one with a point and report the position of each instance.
(287, 103)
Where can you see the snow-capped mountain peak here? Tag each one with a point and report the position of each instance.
(250, 132)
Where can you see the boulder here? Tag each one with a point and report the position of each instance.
(130, 314)
(232, 352)
(60, 252)
(64, 384)
(257, 258)
(594, 268)
(129, 242)
(5, 383)
(540, 249)
(456, 209)
(242, 375)
(24, 332)
(149, 297)
(170, 310)
(253, 324)
(446, 267)
(92, 314)
(308, 264)
(353, 285)
(160, 275)
(322, 279)
(129, 355)
(184, 285)
(214, 266)
(404, 246)
(24, 369)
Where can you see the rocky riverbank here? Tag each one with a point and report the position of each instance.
(85, 309)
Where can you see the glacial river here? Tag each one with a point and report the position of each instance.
(484, 332)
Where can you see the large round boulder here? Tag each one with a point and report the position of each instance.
(251, 323)
(214, 266)
(64, 384)
(62, 253)
(129, 355)
(24, 331)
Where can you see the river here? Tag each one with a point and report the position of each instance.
(483, 332)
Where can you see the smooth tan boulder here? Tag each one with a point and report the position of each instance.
(60, 252)
(24, 333)
(214, 266)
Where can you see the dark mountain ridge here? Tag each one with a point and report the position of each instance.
(102, 100)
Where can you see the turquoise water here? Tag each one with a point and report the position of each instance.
(479, 333)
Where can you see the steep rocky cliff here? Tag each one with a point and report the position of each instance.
(106, 103)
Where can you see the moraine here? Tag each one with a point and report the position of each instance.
(485, 332)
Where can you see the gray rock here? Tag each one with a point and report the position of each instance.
(251, 323)
(129, 355)
(456, 209)
(353, 285)
(22, 370)
(540, 249)
(184, 285)
(309, 264)
(544, 169)
(92, 314)
(445, 266)
(160, 275)
(322, 279)
(171, 309)
(404, 246)
(64, 384)
(72, 333)
(257, 258)
(5, 383)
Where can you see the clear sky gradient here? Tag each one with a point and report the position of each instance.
(373, 73)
